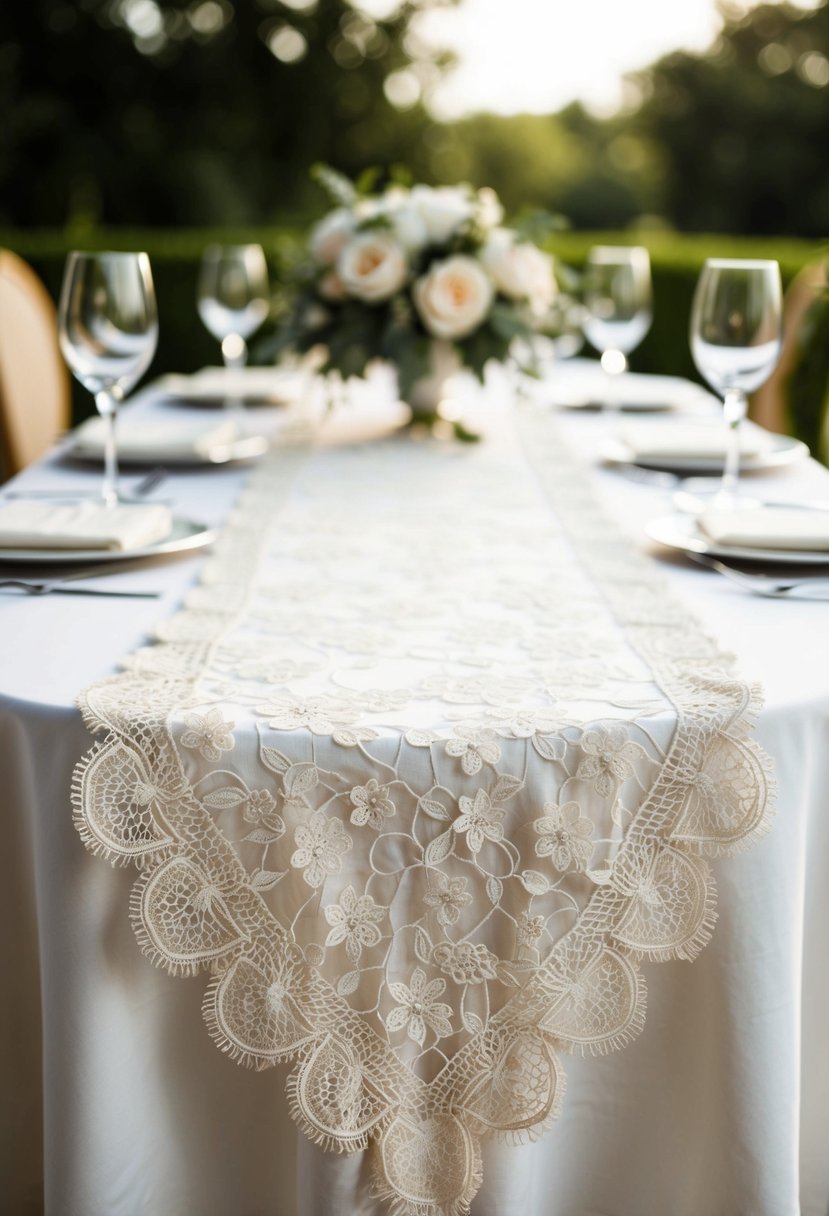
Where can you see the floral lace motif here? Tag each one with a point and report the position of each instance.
(425, 767)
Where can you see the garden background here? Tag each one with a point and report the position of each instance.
(166, 125)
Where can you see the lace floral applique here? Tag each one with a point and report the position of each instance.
(418, 1008)
(354, 921)
(320, 843)
(565, 836)
(610, 759)
(210, 734)
(448, 896)
(372, 805)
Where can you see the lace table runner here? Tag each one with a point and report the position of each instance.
(427, 765)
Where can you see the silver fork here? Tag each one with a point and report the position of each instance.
(32, 586)
(811, 587)
(643, 475)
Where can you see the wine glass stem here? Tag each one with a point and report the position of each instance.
(234, 351)
(108, 408)
(735, 406)
(235, 356)
(614, 362)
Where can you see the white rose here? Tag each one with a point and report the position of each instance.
(490, 211)
(330, 235)
(372, 266)
(408, 226)
(454, 297)
(397, 207)
(442, 210)
(520, 270)
(393, 197)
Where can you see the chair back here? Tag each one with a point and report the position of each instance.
(34, 382)
(770, 404)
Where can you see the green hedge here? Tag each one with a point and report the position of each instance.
(184, 345)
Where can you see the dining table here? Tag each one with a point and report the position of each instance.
(434, 841)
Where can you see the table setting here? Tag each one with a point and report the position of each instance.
(430, 752)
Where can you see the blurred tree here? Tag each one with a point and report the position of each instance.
(744, 128)
(198, 111)
(597, 172)
(203, 112)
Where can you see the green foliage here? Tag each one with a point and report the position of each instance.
(339, 188)
(743, 129)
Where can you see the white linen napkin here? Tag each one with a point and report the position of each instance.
(691, 441)
(150, 438)
(582, 382)
(82, 525)
(767, 527)
(267, 384)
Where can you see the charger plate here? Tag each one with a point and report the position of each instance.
(680, 531)
(186, 534)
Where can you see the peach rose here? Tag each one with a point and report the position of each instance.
(331, 286)
(454, 297)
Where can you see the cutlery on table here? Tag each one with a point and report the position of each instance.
(58, 587)
(815, 587)
(687, 487)
(151, 481)
(31, 586)
(642, 475)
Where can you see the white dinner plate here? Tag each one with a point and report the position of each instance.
(246, 448)
(211, 389)
(779, 450)
(682, 532)
(185, 534)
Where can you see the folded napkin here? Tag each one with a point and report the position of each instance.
(266, 384)
(767, 527)
(691, 441)
(82, 525)
(150, 438)
(583, 383)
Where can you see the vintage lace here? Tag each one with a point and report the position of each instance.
(427, 765)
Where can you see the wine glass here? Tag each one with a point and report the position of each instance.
(108, 331)
(736, 335)
(233, 297)
(617, 302)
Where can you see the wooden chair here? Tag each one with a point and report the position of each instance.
(770, 404)
(34, 382)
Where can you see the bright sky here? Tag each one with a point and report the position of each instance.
(538, 55)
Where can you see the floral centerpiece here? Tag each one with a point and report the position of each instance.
(427, 278)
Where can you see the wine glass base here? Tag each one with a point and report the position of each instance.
(694, 503)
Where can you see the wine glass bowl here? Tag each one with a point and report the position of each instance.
(736, 337)
(233, 297)
(108, 333)
(617, 302)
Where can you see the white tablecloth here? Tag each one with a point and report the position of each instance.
(718, 1108)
